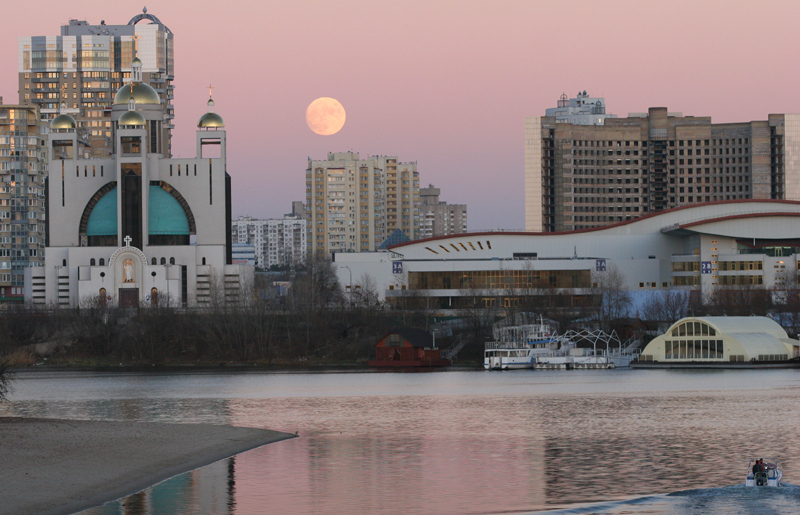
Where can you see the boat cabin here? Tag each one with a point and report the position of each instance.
(408, 348)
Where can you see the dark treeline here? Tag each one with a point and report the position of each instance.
(316, 320)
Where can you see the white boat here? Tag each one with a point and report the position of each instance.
(771, 476)
(518, 346)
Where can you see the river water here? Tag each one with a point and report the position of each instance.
(456, 442)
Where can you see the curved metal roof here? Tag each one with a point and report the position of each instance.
(165, 214)
(757, 335)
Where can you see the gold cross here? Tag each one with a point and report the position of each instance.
(210, 87)
(135, 39)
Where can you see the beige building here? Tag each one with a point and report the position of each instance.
(438, 218)
(22, 196)
(585, 176)
(354, 204)
(86, 64)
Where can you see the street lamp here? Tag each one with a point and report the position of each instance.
(351, 283)
(167, 266)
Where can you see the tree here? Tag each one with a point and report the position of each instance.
(6, 375)
(614, 300)
(665, 308)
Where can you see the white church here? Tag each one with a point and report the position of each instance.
(137, 228)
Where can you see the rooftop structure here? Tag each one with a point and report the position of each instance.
(581, 110)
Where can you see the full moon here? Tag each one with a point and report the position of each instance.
(325, 116)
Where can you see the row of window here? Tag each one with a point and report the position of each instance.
(693, 349)
(495, 279)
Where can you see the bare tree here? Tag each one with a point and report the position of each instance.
(6, 377)
(665, 308)
(614, 300)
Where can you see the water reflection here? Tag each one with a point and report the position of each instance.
(457, 442)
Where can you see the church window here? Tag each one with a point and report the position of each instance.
(102, 262)
(92, 262)
(163, 261)
(172, 261)
(153, 261)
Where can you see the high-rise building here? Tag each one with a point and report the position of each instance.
(276, 242)
(86, 65)
(138, 228)
(438, 218)
(354, 204)
(584, 176)
(22, 196)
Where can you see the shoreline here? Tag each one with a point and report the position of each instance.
(55, 467)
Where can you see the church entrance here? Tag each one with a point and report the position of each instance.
(129, 297)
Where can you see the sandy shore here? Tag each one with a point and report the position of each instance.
(63, 466)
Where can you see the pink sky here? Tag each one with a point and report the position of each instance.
(443, 83)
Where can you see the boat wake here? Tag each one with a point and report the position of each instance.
(729, 500)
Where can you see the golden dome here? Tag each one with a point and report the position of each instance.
(210, 120)
(131, 118)
(63, 121)
(136, 60)
(141, 93)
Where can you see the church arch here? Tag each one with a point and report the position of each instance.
(103, 230)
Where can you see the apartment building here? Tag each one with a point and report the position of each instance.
(276, 241)
(22, 196)
(87, 64)
(585, 176)
(438, 218)
(354, 204)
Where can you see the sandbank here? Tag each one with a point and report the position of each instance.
(63, 466)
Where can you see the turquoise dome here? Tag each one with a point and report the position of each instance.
(103, 220)
(166, 216)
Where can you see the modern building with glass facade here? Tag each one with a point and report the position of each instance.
(697, 249)
(137, 228)
(580, 176)
(86, 64)
(23, 168)
(354, 204)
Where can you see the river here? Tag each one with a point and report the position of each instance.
(455, 442)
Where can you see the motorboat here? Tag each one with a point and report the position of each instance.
(771, 476)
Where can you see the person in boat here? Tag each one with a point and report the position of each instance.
(758, 467)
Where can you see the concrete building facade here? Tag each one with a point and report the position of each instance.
(23, 168)
(354, 204)
(585, 176)
(438, 218)
(695, 249)
(86, 64)
(137, 228)
(276, 242)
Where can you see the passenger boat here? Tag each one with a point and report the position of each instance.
(518, 346)
(770, 477)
